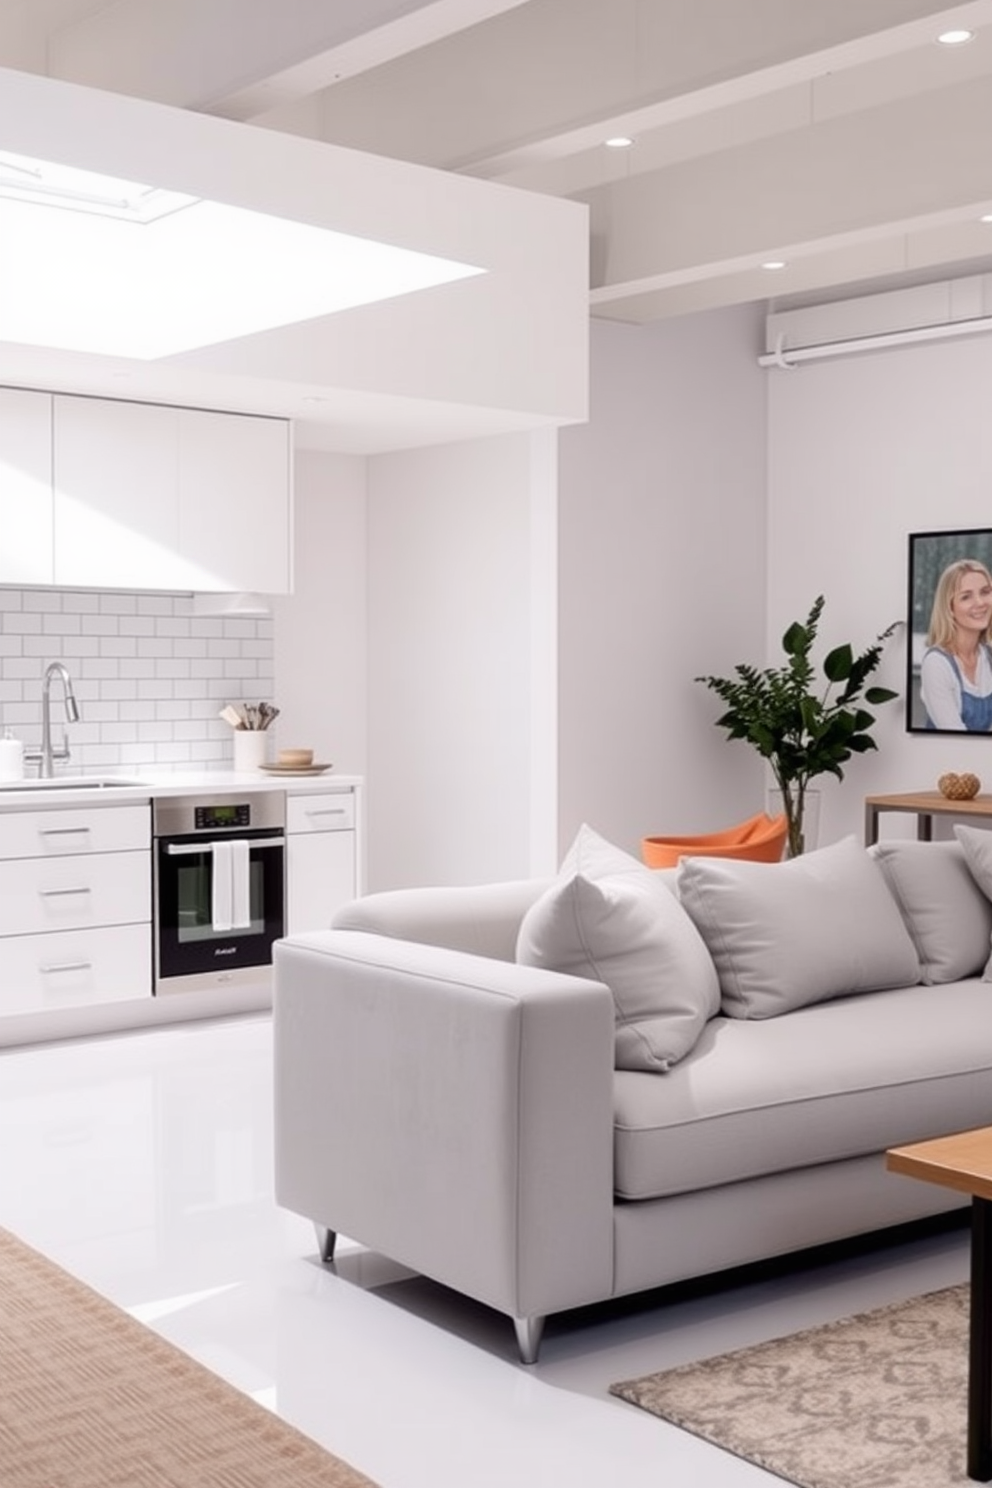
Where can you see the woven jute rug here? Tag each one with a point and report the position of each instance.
(874, 1401)
(90, 1398)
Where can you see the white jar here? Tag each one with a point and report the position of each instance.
(11, 758)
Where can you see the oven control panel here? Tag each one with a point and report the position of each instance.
(215, 817)
(183, 816)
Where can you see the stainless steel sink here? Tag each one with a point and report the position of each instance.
(69, 782)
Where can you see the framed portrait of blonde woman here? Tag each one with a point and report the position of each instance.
(949, 655)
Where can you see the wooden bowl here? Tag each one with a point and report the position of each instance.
(295, 759)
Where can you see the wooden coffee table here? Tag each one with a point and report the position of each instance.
(964, 1162)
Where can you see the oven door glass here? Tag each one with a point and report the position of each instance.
(192, 936)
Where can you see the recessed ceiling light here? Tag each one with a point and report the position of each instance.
(955, 38)
(987, 217)
(774, 263)
(618, 142)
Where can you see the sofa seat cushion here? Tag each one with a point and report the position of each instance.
(834, 1080)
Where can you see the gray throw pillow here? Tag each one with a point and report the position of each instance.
(977, 847)
(945, 911)
(608, 918)
(783, 935)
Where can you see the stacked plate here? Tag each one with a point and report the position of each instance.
(295, 762)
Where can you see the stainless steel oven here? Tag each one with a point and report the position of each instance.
(220, 888)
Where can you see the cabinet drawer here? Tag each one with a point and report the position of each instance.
(37, 895)
(83, 829)
(75, 968)
(328, 811)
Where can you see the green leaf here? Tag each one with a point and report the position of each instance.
(837, 667)
(876, 695)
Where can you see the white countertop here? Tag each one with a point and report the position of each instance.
(105, 787)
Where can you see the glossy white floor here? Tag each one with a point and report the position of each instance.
(142, 1163)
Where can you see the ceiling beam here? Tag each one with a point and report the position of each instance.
(237, 60)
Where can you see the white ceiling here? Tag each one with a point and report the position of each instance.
(835, 135)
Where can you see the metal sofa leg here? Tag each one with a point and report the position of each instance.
(529, 1334)
(326, 1241)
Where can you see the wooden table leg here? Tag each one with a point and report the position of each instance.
(980, 1345)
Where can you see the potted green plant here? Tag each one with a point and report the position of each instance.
(799, 724)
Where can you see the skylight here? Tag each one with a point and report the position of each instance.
(92, 263)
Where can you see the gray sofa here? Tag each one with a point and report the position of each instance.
(548, 1094)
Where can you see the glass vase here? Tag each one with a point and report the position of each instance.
(802, 809)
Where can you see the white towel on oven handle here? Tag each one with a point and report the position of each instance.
(240, 884)
(221, 887)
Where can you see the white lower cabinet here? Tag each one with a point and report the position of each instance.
(75, 968)
(75, 892)
(321, 861)
(75, 908)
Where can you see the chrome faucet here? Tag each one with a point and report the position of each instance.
(46, 755)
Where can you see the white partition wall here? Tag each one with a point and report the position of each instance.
(460, 569)
(662, 576)
(320, 630)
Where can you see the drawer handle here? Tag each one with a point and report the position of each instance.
(59, 893)
(49, 968)
(329, 811)
(63, 831)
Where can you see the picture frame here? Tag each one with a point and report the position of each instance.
(945, 610)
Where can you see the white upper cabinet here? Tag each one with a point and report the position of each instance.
(116, 506)
(25, 487)
(155, 497)
(234, 501)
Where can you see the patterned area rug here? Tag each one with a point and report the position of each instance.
(873, 1401)
(90, 1398)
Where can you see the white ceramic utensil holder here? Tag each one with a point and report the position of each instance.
(250, 748)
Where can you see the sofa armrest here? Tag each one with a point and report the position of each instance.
(450, 1111)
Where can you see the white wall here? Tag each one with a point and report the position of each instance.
(321, 659)
(460, 567)
(863, 451)
(662, 576)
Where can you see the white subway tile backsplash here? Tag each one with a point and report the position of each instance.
(150, 677)
(81, 602)
(60, 624)
(37, 599)
(118, 604)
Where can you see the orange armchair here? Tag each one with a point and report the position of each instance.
(761, 838)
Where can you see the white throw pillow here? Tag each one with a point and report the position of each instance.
(977, 846)
(946, 913)
(783, 935)
(608, 918)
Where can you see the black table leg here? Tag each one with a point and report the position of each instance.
(980, 1345)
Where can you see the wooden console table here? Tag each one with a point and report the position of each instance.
(924, 805)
